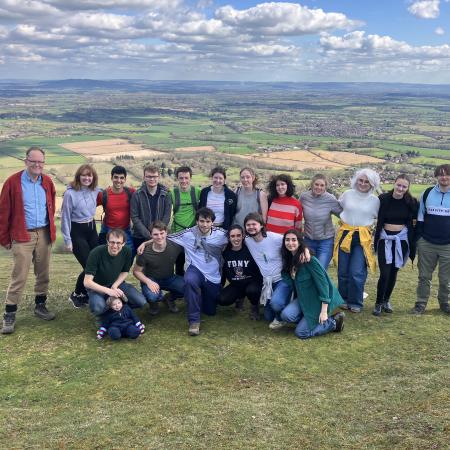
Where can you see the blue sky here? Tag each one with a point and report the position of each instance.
(311, 40)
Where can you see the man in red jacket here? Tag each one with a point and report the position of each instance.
(27, 228)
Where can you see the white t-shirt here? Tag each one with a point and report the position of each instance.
(216, 202)
(197, 256)
(267, 254)
(359, 209)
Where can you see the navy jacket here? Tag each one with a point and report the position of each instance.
(229, 205)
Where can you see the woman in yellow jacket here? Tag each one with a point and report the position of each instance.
(353, 244)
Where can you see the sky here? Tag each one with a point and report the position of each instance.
(312, 40)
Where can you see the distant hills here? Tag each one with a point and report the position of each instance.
(10, 87)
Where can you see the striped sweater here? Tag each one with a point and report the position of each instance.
(284, 213)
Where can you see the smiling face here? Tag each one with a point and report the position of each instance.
(253, 227)
(35, 163)
(281, 188)
(159, 236)
(444, 181)
(363, 184)
(236, 238)
(218, 180)
(247, 179)
(118, 181)
(115, 244)
(86, 178)
(401, 187)
(291, 242)
(184, 180)
(204, 225)
(319, 187)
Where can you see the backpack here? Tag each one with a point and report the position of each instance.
(424, 198)
(258, 192)
(177, 198)
(105, 198)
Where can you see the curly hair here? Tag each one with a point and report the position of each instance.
(272, 186)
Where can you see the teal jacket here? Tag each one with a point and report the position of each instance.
(314, 287)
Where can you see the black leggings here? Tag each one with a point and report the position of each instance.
(84, 239)
(388, 272)
(250, 289)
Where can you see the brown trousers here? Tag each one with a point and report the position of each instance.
(36, 251)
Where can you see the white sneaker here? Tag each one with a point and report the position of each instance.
(276, 324)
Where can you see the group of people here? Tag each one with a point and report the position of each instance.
(224, 245)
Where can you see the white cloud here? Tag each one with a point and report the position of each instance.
(283, 19)
(439, 31)
(425, 9)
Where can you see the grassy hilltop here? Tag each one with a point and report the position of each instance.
(382, 383)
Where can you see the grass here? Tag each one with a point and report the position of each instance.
(382, 383)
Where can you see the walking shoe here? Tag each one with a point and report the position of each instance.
(354, 309)
(78, 300)
(194, 329)
(170, 303)
(418, 309)
(445, 308)
(339, 319)
(9, 321)
(276, 324)
(41, 311)
(377, 309)
(344, 306)
(240, 304)
(254, 312)
(387, 308)
(153, 308)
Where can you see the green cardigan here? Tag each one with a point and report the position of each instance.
(314, 287)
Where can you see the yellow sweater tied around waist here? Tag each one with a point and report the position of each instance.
(365, 238)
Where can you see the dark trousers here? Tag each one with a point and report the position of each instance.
(200, 294)
(250, 289)
(179, 264)
(128, 331)
(388, 272)
(84, 239)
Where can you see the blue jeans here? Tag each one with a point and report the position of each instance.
(293, 313)
(352, 273)
(201, 295)
(322, 249)
(173, 284)
(97, 300)
(281, 296)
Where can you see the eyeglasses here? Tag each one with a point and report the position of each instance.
(112, 243)
(36, 163)
(151, 177)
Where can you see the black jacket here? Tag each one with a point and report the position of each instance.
(229, 205)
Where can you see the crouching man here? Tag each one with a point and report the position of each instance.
(106, 269)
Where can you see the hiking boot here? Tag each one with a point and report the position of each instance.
(170, 303)
(276, 324)
(445, 308)
(387, 308)
(153, 308)
(377, 309)
(41, 311)
(9, 320)
(418, 309)
(78, 300)
(194, 329)
(240, 304)
(339, 319)
(254, 312)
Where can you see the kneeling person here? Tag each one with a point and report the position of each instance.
(106, 269)
(155, 268)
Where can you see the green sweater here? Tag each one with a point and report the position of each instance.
(314, 287)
